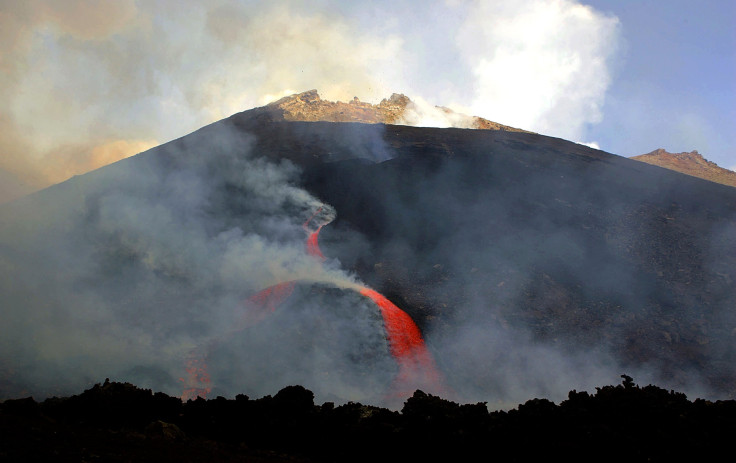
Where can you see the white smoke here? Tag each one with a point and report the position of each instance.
(420, 113)
(86, 77)
(539, 65)
(123, 272)
(592, 144)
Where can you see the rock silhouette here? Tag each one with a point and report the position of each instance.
(116, 421)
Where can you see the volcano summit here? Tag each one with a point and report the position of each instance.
(529, 265)
(398, 109)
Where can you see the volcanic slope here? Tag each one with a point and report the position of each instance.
(531, 264)
(692, 163)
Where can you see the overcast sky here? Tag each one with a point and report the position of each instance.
(85, 82)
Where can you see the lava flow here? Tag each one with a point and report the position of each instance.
(407, 347)
(198, 382)
(266, 301)
(312, 244)
(416, 365)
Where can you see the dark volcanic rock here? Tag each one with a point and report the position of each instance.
(579, 246)
(529, 262)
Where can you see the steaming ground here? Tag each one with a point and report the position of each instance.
(536, 266)
(328, 339)
(527, 274)
(122, 272)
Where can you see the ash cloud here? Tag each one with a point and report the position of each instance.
(124, 272)
(145, 282)
(80, 77)
(531, 278)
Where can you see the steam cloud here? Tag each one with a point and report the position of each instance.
(144, 282)
(156, 259)
(89, 82)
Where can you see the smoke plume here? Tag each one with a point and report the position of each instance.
(126, 271)
(86, 77)
(158, 255)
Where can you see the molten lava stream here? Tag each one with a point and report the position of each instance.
(407, 347)
(312, 244)
(258, 307)
(198, 379)
(416, 365)
(263, 302)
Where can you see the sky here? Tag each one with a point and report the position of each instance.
(85, 83)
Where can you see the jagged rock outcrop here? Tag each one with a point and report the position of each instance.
(397, 109)
(692, 163)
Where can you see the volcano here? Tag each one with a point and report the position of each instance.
(415, 365)
(529, 265)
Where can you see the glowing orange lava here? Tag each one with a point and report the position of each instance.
(271, 297)
(258, 307)
(416, 365)
(198, 379)
(312, 243)
(407, 347)
(313, 246)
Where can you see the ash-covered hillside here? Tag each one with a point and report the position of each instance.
(531, 265)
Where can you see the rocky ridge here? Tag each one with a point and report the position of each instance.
(398, 109)
(692, 163)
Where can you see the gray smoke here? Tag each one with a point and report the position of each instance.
(87, 82)
(124, 272)
(127, 271)
(535, 283)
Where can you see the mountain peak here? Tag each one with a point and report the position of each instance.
(692, 155)
(691, 163)
(308, 97)
(398, 109)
